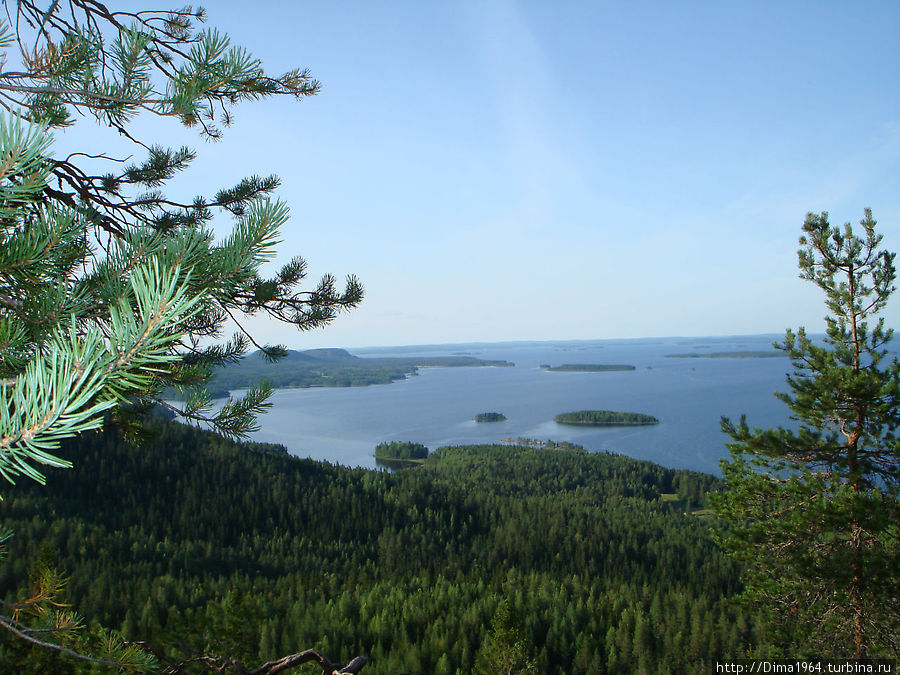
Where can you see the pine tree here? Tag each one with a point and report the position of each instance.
(813, 510)
(110, 291)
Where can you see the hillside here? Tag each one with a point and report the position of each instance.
(193, 535)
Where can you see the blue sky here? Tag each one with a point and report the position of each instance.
(499, 170)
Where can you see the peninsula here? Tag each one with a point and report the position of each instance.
(330, 368)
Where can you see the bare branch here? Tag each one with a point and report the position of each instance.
(7, 623)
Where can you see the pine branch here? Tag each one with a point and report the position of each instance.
(80, 57)
(27, 635)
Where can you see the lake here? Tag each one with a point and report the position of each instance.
(437, 406)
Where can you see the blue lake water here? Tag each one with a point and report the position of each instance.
(437, 407)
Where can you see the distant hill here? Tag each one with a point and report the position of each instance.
(332, 355)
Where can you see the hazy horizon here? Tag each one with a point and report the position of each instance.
(530, 341)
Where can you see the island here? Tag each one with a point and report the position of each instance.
(587, 367)
(605, 418)
(747, 354)
(400, 454)
(490, 417)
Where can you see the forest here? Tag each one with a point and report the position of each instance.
(239, 548)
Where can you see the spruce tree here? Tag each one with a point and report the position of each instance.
(812, 510)
(505, 648)
(110, 291)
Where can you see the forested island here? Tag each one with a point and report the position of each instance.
(330, 368)
(241, 549)
(746, 354)
(400, 454)
(586, 367)
(490, 417)
(605, 418)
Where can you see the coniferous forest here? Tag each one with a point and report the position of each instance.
(197, 544)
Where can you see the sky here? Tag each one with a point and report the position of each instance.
(498, 170)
